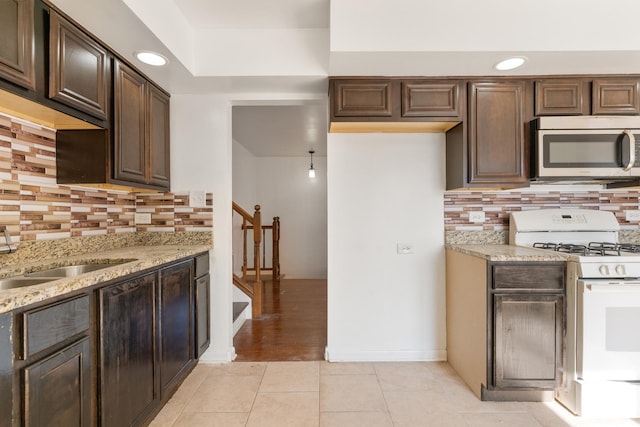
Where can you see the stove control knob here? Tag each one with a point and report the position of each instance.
(620, 270)
(604, 270)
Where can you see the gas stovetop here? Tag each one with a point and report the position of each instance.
(588, 237)
(591, 248)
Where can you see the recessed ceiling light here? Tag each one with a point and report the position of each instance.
(151, 58)
(510, 63)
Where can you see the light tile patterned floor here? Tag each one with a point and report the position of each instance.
(322, 394)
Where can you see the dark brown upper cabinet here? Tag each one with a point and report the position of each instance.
(615, 96)
(496, 141)
(17, 39)
(426, 98)
(560, 97)
(364, 98)
(79, 68)
(141, 130)
(159, 156)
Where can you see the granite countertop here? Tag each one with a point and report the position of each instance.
(126, 260)
(508, 253)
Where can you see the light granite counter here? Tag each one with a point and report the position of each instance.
(126, 260)
(508, 253)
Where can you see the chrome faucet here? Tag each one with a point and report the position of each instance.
(9, 246)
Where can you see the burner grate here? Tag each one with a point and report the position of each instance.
(591, 249)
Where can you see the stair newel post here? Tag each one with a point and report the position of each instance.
(275, 237)
(256, 306)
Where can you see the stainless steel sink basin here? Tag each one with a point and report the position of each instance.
(19, 282)
(69, 270)
(55, 273)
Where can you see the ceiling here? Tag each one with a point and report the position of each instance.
(281, 130)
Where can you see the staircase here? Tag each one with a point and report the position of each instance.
(249, 281)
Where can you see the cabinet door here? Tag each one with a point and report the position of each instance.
(176, 324)
(367, 98)
(129, 125)
(78, 68)
(560, 97)
(496, 133)
(527, 340)
(17, 39)
(202, 314)
(430, 98)
(158, 137)
(128, 372)
(615, 96)
(57, 390)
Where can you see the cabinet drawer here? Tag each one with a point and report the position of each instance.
(50, 325)
(528, 276)
(202, 265)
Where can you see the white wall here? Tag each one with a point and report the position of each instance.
(201, 152)
(483, 26)
(385, 189)
(285, 190)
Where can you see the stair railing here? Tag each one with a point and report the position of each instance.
(252, 290)
(275, 248)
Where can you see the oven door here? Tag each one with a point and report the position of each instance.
(588, 153)
(607, 337)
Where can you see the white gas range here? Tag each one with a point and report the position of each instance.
(602, 364)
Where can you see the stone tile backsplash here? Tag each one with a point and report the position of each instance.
(34, 207)
(498, 204)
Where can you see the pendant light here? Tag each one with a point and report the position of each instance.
(312, 171)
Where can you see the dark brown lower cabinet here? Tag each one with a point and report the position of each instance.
(129, 386)
(176, 325)
(109, 356)
(527, 340)
(57, 390)
(526, 326)
(202, 287)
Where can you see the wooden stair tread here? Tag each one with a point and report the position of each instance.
(238, 308)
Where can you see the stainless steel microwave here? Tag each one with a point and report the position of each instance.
(586, 147)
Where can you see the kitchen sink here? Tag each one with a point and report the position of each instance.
(71, 270)
(74, 270)
(19, 282)
(56, 273)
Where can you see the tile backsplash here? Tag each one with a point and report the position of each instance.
(497, 205)
(34, 207)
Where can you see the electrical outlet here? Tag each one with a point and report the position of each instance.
(632, 216)
(197, 199)
(142, 218)
(476, 216)
(405, 248)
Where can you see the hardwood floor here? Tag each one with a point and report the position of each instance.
(293, 326)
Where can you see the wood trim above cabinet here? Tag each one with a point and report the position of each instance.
(17, 59)
(79, 68)
(364, 98)
(619, 96)
(424, 98)
(559, 97)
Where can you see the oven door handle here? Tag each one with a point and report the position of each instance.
(609, 287)
(632, 150)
